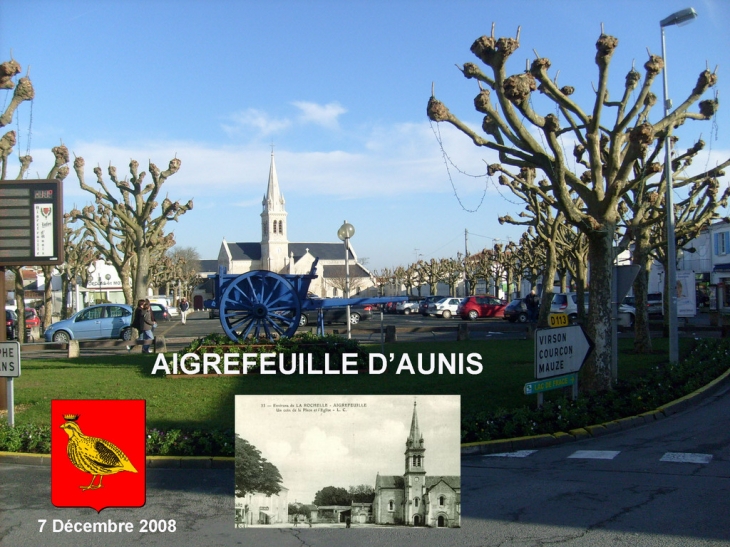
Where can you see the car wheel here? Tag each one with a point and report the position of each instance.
(61, 336)
(127, 334)
(573, 319)
(473, 314)
(446, 314)
(522, 318)
(406, 312)
(303, 320)
(354, 318)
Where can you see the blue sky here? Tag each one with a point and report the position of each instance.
(339, 88)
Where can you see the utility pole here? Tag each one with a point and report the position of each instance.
(466, 255)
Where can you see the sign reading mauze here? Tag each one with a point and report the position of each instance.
(31, 222)
(560, 351)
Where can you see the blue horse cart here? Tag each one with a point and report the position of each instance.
(264, 304)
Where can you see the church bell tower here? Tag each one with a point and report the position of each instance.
(415, 476)
(274, 243)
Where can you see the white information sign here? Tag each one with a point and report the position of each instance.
(686, 294)
(560, 351)
(43, 217)
(10, 359)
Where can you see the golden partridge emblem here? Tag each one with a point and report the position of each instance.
(92, 455)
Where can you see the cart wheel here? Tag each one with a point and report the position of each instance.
(260, 304)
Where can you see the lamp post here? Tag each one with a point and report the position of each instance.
(345, 232)
(678, 18)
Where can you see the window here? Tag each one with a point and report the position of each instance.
(722, 243)
(90, 314)
(117, 311)
(415, 502)
(281, 226)
(391, 505)
(442, 501)
(274, 226)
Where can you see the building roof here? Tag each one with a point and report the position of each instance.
(389, 481)
(323, 251)
(208, 266)
(338, 270)
(453, 481)
(245, 251)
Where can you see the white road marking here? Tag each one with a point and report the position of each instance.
(594, 454)
(686, 457)
(518, 454)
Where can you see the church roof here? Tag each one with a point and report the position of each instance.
(389, 481)
(453, 481)
(339, 270)
(323, 251)
(245, 251)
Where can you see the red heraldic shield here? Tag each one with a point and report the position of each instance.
(98, 453)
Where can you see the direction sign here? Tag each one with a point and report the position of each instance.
(550, 383)
(560, 351)
(10, 359)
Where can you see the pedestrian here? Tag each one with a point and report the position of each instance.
(148, 324)
(184, 307)
(532, 302)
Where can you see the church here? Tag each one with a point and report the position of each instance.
(416, 498)
(277, 254)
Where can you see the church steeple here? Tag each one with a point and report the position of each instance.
(274, 199)
(415, 439)
(274, 242)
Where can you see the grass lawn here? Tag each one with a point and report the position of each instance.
(208, 403)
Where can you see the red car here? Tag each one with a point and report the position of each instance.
(482, 305)
(32, 319)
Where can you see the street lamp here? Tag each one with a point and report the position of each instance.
(678, 18)
(345, 232)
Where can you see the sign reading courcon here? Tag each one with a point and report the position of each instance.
(560, 351)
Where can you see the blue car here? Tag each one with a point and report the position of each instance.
(94, 322)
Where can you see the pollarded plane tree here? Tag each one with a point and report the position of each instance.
(533, 258)
(382, 278)
(541, 216)
(643, 213)
(131, 229)
(431, 273)
(614, 141)
(574, 257)
(453, 269)
(80, 253)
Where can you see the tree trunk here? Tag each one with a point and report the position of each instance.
(596, 373)
(141, 277)
(642, 336)
(551, 267)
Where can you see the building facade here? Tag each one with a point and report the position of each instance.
(262, 509)
(416, 498)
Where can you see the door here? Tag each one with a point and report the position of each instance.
(115, 319)
(87, 324)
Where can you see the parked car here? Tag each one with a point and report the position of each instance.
(94, 322)
(482, 305)
(423, 305)
(516, 311)
(32, 319)
(160, 312)
(337, 315)
(567, 303)
(626, 315)
(11, 325)
(409, 306)
(446, 306)
(164, 302)
(654, 304)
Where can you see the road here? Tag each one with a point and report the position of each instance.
(662, 484)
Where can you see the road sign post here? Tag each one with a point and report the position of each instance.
(9, 369)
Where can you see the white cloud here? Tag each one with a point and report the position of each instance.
(324, 115)
(258, 120)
